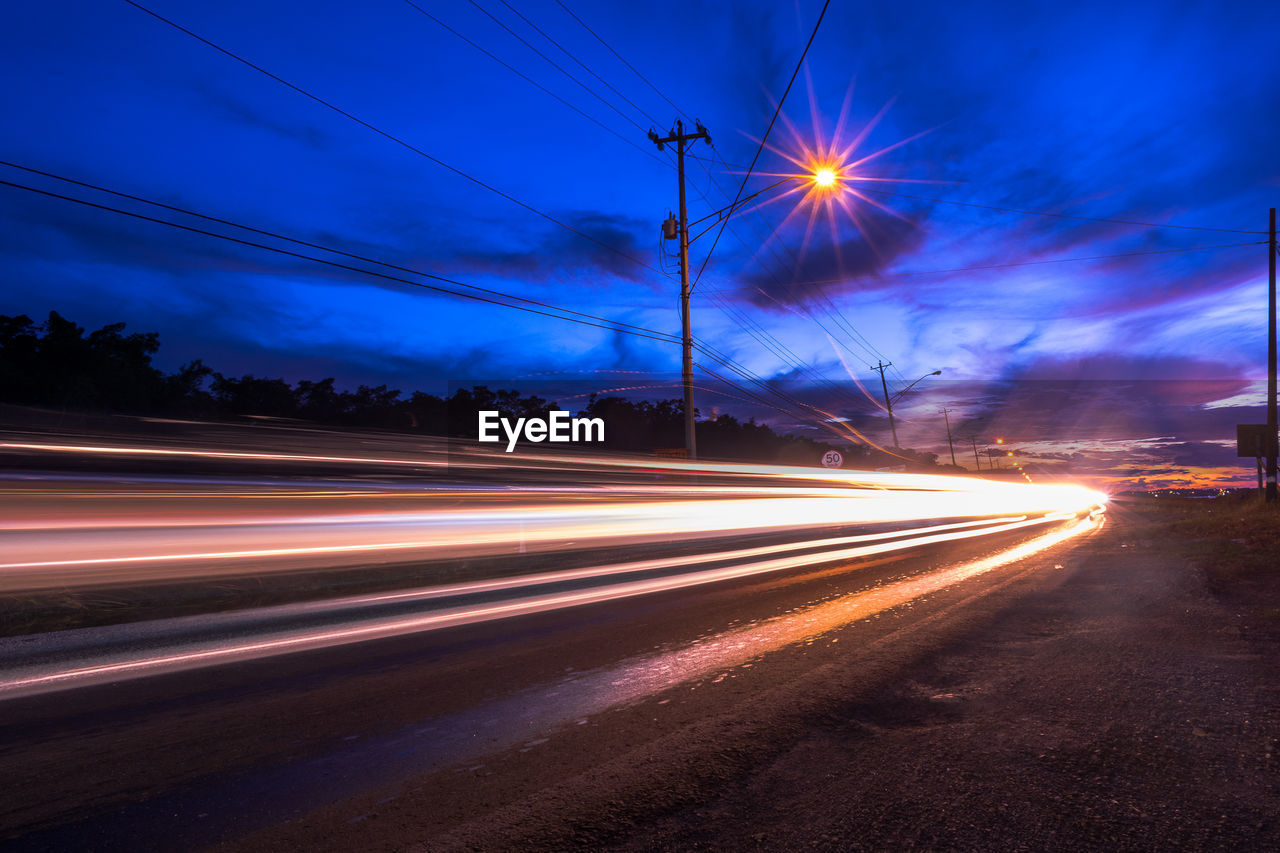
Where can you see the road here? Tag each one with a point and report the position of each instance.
(692, 592)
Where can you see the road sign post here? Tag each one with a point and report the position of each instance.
(1252, 441)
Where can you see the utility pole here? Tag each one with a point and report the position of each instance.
(945, 415)
(977, 461)
(1271, 363)
(888, 404)
(681, 139)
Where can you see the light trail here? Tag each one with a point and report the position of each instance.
(646, 675)
(132, 663)
(103, 532)
(63, 533)
(543, 578)
(73, 549)
(235, 455)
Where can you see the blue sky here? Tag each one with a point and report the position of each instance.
(1144, 112)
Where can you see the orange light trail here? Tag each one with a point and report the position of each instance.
(132, 664)
(222, 535)
(128, 552)
(64, 532)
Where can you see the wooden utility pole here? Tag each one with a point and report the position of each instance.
(681, 139)
(888, 404)
(950, 446)
(1271, 363)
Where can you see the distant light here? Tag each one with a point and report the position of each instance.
(825, 177)
(999, 441)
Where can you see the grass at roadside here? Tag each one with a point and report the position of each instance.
(1234, 541)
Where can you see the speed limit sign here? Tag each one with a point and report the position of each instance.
(832, 459)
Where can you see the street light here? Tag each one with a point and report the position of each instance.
(899, 395)
(678, 229)
(888, 402)
(822, 179)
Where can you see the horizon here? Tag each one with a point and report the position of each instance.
(1068, 228)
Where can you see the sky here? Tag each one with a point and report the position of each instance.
(1011, 179)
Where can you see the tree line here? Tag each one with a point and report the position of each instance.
(55, 364)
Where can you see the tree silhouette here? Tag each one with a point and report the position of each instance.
(55, 364)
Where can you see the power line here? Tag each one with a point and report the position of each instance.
(603, 323)
(584, 66)
(533, 82)
(765, 138)
(853, 335)
(385, 134)
(588, 319)
(550, 61)
(824, 420)
(619, 56)
(751, 395)
(778, 348)
(732, 364)
(762, 336)
(759, 382)
(857, 338)
(645, 333)
(579, 317)
(300, 242)
(759, 333)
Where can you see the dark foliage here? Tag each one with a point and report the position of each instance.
(55, 365)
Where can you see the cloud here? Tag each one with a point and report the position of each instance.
(601, 247)
(239, 111)
(1208, 376)
(821, 267)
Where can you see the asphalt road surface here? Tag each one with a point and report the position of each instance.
(470, 720)
(553, 648)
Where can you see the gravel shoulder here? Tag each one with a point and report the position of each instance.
(1132, 704)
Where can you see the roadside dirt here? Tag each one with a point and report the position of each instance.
(1126, 707)
(1119, 693)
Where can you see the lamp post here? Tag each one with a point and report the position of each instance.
(889, 401)
(678, 229)
(824, 178)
